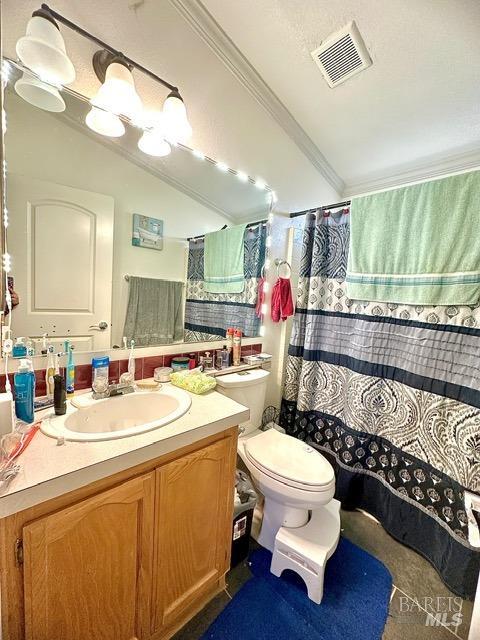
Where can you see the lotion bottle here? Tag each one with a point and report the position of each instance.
(237, 347)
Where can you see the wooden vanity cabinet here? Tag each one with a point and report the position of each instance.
(130, 557)
(192, 552)
(87, 567)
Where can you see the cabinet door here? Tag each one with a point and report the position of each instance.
(193, 530)
(87, 567)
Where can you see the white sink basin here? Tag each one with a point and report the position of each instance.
(120, 416)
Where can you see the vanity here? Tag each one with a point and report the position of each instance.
(120, 539)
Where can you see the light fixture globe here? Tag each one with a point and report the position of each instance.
(152, 141)
(43, 51)
(154, 145)
(39, 94)
(177, 127)
(117, 94)
(104, 123)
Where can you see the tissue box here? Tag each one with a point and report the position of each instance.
(7, 413)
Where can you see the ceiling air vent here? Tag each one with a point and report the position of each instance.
(342, 55)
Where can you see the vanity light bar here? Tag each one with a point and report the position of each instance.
(222, 166)
(118, 54)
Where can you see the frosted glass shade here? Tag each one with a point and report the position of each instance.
(42, 50)
(39, 94)
(105, 123)
(154, 144)
(117, 94)
(177, 127)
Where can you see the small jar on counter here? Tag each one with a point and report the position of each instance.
(179, 363)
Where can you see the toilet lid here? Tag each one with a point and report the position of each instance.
(289, 459)
(246, 378)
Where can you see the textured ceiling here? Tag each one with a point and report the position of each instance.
(418, 103)
(417, 106)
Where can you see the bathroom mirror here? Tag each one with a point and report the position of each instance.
(96, 221)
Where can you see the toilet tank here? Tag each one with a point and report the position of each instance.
(248, 388)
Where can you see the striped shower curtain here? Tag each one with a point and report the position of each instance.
(209, 315)
(390, 394)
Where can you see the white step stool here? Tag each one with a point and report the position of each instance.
(306, 549)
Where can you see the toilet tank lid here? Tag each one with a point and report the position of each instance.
(245, 378)
(290, 459)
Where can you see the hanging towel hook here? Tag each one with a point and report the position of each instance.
(279, 263)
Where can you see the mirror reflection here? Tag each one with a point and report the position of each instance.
(112, 244)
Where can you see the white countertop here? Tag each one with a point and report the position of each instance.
(48, 470)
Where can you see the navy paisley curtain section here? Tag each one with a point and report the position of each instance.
(208, 315)
(391, 395)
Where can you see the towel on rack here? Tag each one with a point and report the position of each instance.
(282, 302)
(154, 311)
(260, 298)
(417, 244)
(223, 262)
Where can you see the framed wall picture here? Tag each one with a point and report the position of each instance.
(147, 232)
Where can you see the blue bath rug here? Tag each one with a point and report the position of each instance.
(355, 602)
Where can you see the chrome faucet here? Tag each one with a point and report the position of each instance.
(119, 389)
(115, 389)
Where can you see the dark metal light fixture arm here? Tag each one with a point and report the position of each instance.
(104, 45)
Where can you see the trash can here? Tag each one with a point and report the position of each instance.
(244, 504)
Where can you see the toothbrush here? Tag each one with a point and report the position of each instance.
(131, 360)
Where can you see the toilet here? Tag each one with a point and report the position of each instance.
(295, 479)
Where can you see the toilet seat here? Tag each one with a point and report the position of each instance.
(289, 461)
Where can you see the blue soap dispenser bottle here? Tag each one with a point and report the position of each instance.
(24, 387)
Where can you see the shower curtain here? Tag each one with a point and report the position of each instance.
(390, 394)
(209, 315)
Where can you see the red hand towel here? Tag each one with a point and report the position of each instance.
(282, 303)
(260, 298)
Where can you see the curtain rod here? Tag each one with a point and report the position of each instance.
(249, 225)
(297, 214)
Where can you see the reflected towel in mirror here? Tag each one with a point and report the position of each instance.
(224, 253)
(154, 311)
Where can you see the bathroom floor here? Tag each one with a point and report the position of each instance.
(414, 579)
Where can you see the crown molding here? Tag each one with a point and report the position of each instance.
(203, 23)
(434, 167)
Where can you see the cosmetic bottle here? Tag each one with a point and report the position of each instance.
(24, 385)
(100, 368)
(225, 357)
(237, 347)
(30, 348)
(229, 336)
(19, 348)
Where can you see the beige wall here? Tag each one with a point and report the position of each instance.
(41, 146)
(286, 245)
